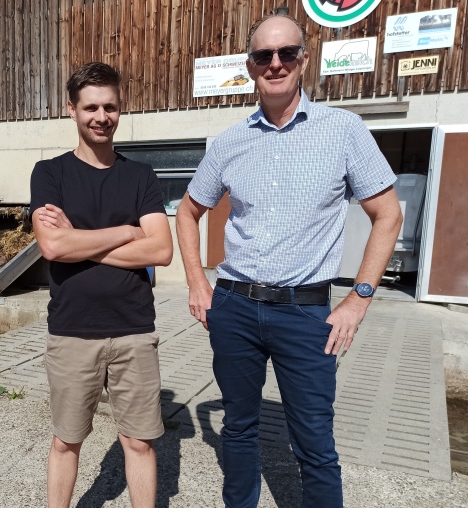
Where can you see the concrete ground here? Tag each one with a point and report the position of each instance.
(190, 473)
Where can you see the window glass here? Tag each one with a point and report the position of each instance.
(174, 163)
(167, 157)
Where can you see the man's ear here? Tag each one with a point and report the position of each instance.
(249, 65)
(305, 62)
(71, 110)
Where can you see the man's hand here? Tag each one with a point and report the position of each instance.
(52, 216)
(345, 319)
(200, 300)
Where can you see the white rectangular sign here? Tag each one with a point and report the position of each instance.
(420, 31)
(348, 56)
(221, 75)
(414, 66)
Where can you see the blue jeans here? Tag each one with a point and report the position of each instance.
(244, 334)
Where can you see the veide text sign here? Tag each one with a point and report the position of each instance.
(348, 56)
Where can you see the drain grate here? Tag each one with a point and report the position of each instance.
(390, 406)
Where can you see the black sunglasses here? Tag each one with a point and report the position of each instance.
(286, 54)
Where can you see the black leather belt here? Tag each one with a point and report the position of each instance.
(302, 295)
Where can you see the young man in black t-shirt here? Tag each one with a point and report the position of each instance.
(100, 219)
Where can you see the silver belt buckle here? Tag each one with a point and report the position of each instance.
(258, 284)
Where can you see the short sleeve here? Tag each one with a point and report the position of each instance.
(153, 198)
(368, 172)
(44, 187)
(206, 187)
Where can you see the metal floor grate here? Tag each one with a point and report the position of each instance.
(390, 406)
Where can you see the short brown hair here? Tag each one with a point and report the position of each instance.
(92, 74)
(255, 26)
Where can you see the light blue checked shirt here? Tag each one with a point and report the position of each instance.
(289, 190)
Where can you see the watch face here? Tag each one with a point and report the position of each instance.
(364, 289)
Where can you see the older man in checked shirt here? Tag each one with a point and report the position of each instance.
(290, 170)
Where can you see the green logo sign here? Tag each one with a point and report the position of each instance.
(338, 13)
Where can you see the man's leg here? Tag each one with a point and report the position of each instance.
(239, 365)
(307, 379)
(140, 469)
(61, 472)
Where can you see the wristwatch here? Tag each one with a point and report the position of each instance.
(363, 289)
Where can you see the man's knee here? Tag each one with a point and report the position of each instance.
(60, 446)
(133, 445)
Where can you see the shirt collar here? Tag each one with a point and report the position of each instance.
(302, 113)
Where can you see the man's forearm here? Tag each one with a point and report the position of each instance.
(137, 254)
(188, 235)
(74, 245)
(378, 250)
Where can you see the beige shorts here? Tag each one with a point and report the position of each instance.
(78, 369)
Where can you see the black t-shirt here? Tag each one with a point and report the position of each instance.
(88, 298)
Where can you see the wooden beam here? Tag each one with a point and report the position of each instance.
(384, 108)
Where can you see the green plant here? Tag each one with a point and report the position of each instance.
(13, 394)
(16, 395)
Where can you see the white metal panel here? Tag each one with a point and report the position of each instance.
(430, 214)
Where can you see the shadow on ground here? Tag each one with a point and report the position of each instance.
(280, 470)
(279, 467)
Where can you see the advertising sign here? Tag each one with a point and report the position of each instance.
(413, 66)
(221, 75)
(420, 30)
(348, 56)
(338, 13)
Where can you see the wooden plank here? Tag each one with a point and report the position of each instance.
(207, 44)
(312, 72)
(385, 61)
(183, 50)
(196, 47)
(227, 40)
(35, 59)
(323, 82)
(217, 45)
(373, 30)
(3, 50)
(88, 32)
(44, 16)
(151, 51)
(98, 7)
(241, 28)
(336, 81)
(463, 74)
(124, 55)
(53, 59)
(10, 59)
(455, 53)
(164, 54)
(65, 31)
(18, 60)
(78, 34)
(417, 82)
(377, 108)
(109, 46)
(137, 57)
(174, 60)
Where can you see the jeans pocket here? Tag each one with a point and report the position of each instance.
(317, 313)
(219, 297)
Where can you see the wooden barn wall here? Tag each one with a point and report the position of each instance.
(154, 44)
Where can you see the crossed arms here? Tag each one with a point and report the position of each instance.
(130, 247)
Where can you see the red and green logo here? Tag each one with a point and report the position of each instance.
(338, 13)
